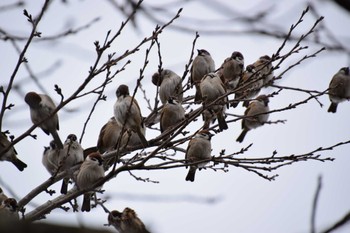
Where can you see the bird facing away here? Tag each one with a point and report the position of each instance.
(170, 85)
(127, 111)
(253, 115)
(198, 149)
(339, 88)
(212, 88)
(41, 107)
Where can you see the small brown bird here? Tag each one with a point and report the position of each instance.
(127, 111)
(170, 85)
(109, 136)
(264, 66)
(339, 88)
(231, 70)
(130, 138)
(50, 158)
(41, 107)
(172, 113)
(250, 120)
(115, 219)
(253, 82)
(127, 221)
(90, 172)
(10, 155)
(212, 88)
(198, 149)
(9, 210)
(71, 155)
(202, 64)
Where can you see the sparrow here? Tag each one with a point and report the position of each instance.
(50, 158)
(3, 197)
(41, 107)
(339, 88)
(10, 155)
(130, 138)
(90, 172)
(114, 219)
(9, 210)
(264, 66)
(202, 64)
(231, 70)
(170, 85)
(109, 136)
(212, 88)
(198, 149)
(172, 113)
(127, 221)
(252, 83)
(127, 111)
(250, 120)
(71, 154)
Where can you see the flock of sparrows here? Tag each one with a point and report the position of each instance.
(127, 128)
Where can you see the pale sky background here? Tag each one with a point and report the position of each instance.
(244, 203)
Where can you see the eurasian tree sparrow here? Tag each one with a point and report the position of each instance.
(231, 70)
(127, 221)
(170, 85)
(212, 88)
(114, 219)
(41, 107)
(50, 158)
(198, 149)
(90, 172)
(109, 136)
(202, 64)
(130, 138)
(127, 111)
(251, 118)
(249, 91)
(10, 155)
(71, 154)
(172, 113)
(339, 88)
(9, 210)
(264, 66)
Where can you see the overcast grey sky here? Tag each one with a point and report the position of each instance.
(244, 202)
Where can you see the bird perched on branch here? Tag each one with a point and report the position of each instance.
(90, 172)
(231, 70)
(172, 113)
(170, 85)
(50, 158)
(202, 64)
(264, 66)
(339, 88)
(198, 149)
(127, 111)
(109, 136)
(8, 210)
(212, 88)
(10, 155)
(254, 116)
(71, 155)
(126, 221)
(41, 108)
(251, 84)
